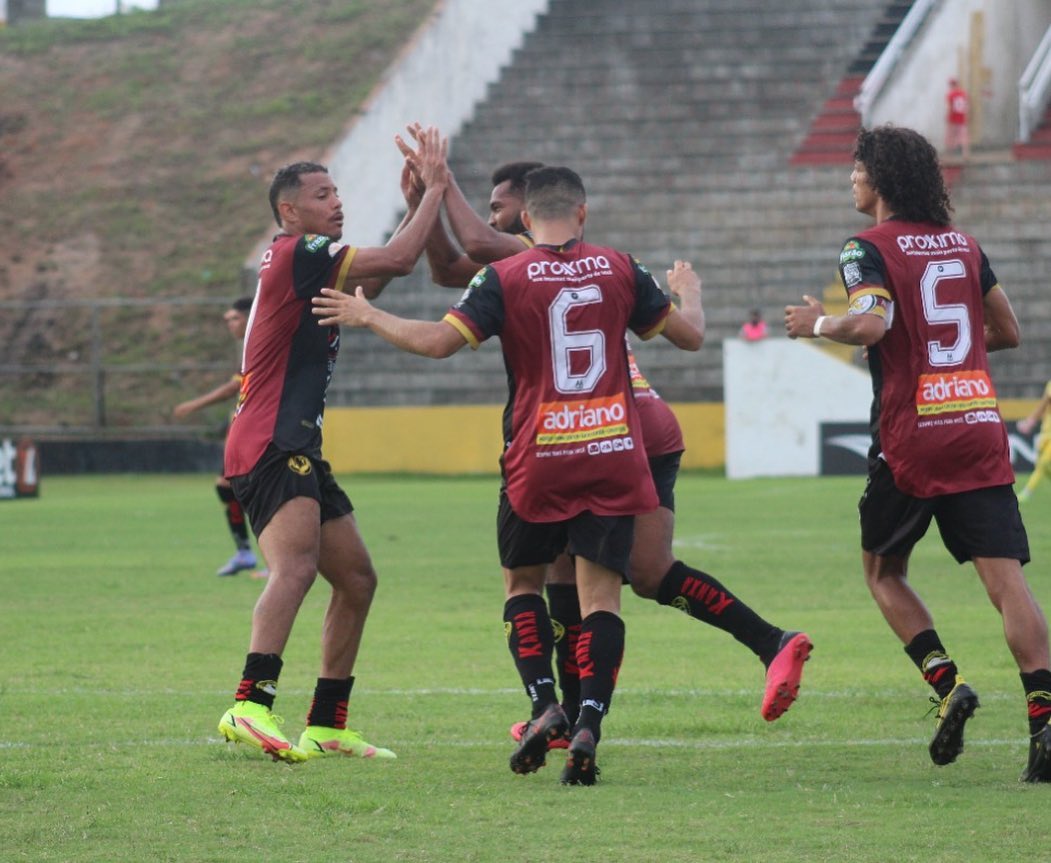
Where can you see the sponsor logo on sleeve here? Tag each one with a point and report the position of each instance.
(852, 251)
(951, 392)
(315, 242)
(479, 277)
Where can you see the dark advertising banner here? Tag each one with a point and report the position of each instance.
(845, 446)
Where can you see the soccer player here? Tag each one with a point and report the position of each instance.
(575, 473)
(303, 521)
(1042, 469)
(236, 320)
(655, 572)
(925, 303)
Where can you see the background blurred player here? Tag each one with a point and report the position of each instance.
(1042, 468)
(236, 320)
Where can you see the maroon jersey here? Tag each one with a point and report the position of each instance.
(661, 433)
(935, 415)
(572, 438)
(288, 359)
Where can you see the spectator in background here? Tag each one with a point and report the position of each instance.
(236, 320)
(957, 134)
(754, 329)
(1042, 468)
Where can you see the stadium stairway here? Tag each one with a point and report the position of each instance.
(833, 131)
(682, 117)
(1039, 144)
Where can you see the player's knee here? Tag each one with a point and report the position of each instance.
(646, 573)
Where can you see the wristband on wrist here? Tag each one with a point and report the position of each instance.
(817, 326)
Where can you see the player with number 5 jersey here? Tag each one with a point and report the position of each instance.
(936, 406)
(924, 302)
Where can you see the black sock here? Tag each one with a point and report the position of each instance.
(703, 598)
(1037, 685)
(599, 654)
(259, 680)
(564, 605)
(329, 707)
(235, 517)
(933, 662)
(531, 641)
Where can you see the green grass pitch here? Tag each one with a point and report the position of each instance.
(119, 650)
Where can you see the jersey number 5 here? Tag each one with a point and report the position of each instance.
(582, 350)
(949, 313)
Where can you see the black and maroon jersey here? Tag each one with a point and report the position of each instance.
(288, 359)
(661, 432)
(935, 417)
(572, 437)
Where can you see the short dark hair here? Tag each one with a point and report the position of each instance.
(287, 178)
(242, 305)
(553, 193)
(515, 174)
(904, 171)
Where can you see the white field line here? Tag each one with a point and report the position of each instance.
(612, 743)
(478, 692)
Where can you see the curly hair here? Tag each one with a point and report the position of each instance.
(903, 169)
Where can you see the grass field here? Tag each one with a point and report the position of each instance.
(119, 650)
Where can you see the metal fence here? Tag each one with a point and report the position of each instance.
(110, 366)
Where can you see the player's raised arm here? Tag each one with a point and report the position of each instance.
(482, 242)
(435, 339)
(689, 322)
(399, 256)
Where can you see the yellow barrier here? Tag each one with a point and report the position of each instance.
(467, 439)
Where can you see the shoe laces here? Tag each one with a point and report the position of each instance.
(277, 720)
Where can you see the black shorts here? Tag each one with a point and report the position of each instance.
(603, 539)
(280, 476)
(980, 523)
(665, 470)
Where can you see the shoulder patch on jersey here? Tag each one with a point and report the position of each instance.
(315, 242)
(479, 277)
(641, 265)
(852, 251)
(852, 274)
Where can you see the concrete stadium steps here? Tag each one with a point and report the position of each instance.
(682, 122)
(1039, 145)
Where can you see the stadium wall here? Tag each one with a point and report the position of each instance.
(437, 79)
(786, 400)
(965, 39)
(467, 439)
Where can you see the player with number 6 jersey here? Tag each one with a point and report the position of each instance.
(571, 427)
(574, 463)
